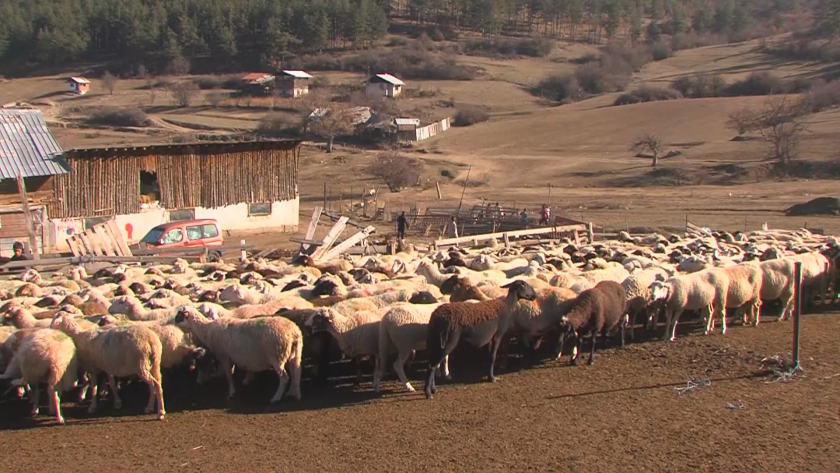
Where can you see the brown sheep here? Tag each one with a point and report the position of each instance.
(597, 310)
(450, 321)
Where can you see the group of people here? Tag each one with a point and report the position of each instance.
(451, 229)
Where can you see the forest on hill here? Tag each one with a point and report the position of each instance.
(179, 36)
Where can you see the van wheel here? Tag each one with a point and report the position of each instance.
(214, 256)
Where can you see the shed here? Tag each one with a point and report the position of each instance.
(383, 85)
(78, 85)
(258, 83)
(292, 83)
(28, 150)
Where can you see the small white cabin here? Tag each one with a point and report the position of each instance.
(383, 85)
(78, 85)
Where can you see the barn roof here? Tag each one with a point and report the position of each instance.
(78, 80)
(27, 148)
(389, 79)
(297, 74)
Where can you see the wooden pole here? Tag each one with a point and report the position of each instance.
(591, 232)
(437, 184)
(340, 201)
(242, 254)
(797, 313)
(549, 194)
(27, 215)
(464, 189)
(325, 196)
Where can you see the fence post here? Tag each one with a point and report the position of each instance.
(824, 286)
(591, 232)
(797, 313)
(242, 253)
(325, 196)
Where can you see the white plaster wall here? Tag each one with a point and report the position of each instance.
(284, 216)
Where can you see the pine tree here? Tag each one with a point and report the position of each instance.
(679, 20)
(653, 32)
(636, 28)
(702, 20)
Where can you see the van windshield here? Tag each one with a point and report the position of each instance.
(153, 237)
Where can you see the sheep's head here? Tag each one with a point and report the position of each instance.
(73, 299)
(139, 288)
(209, 311)
(28, 290)
(48, 301)
(465, 293)
(232, 293)
(208, 296)
(123, 290)
(294, 284)
(659, 291)
(180, 266)
(154, 271)
(320, 320)
(78, 273)
(108, 320)
(64, 321)
(122, 305)
(398, 267)
(186, 315)
(326, 286)
(423, 297)
(520, 290)
(31, 276)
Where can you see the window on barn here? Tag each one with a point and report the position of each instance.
(255, 210)
(181, 214)
(149, 188)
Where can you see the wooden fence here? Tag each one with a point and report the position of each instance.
(428, 131)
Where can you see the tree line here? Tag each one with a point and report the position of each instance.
(214, 35)
(178, 34)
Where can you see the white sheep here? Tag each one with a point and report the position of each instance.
(132, 308)
(177, 345)
(403, 330)
(119, 351)
(47, 356)
(637, 288)
(357, 335)
(270, 343)
(704, 290)
(744, 291)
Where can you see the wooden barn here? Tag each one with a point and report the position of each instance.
(248, 185)
(29, 160)
(292, 84)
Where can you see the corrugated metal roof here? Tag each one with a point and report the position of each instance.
(79, 80)
(27, 147)
(390, 79)
(298, 74)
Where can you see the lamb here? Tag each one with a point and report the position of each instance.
(450, 321)
(597, 310)
(403, 330)
(47, 356)
(119, 351)
(704, 290)
(260, 344)
(357, 335)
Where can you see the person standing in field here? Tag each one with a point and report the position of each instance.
(524, 218)
(402, 225)
(545, 215)
(452, 228)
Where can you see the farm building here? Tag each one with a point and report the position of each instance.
(78, 85)
(292, 84)
(257, 83)
(383, 85)
(28, 151)
(244, 186)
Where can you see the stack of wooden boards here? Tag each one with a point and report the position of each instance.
(103, 239)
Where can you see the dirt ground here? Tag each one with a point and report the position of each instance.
(621, 414)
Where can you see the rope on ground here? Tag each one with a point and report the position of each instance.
(692, 385)
(738, 407)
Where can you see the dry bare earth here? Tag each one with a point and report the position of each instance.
(622, 414)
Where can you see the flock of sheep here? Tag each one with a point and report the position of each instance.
(65, 331)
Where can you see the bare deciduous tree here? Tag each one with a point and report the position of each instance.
(396, 170)
(778, 121)
(110, 82)
(326, 118)
(183, 93)
(650, 143)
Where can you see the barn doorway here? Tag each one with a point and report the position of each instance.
(149, 188)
